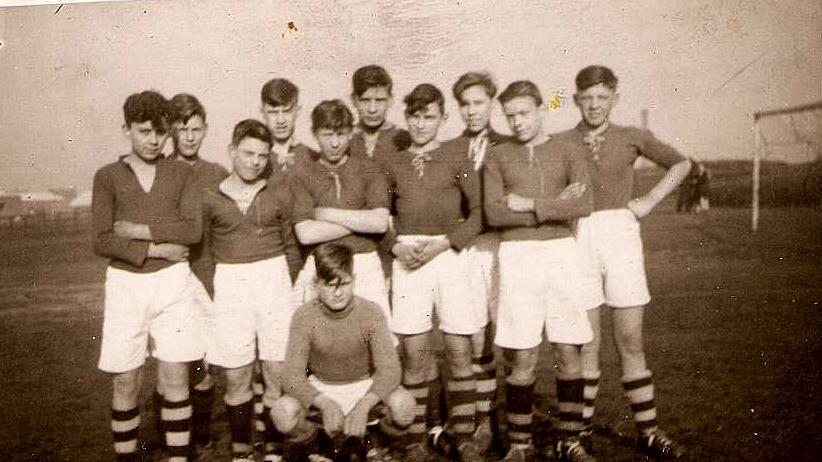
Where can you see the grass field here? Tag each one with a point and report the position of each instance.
(732, 334)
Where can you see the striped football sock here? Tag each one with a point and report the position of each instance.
(436, 410)
(125, 426)
(485, 374)
(639, 391)
(201, 401)
(570, 397)
(462, 397)
(176, 416)
(239, 421)
(419, 391)
(519, 407)
(258, 387)
(590, 395)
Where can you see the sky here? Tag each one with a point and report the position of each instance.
(700, 67)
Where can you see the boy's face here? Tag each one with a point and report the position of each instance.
(337, 293)
(595, 104)
(146, 140)
(475, 108)
(249, 158)
(524, 118)
(333, 143)
(372, 106)
(280, 120)
(189, 135)
(424, 124)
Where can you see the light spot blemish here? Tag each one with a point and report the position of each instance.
(556, 100)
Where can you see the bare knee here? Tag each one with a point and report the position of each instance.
(173, 378)
(458, 353)
(478, 342)
(126, 389)
(287, 413)
(417, 357)
(238, 385)
(415, 371)
(523, 365)
(272, 372)
(568, 361)
(628, 324)
(401, 407)
(629, 342)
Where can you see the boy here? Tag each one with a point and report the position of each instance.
(145, 211)
(248, 236)
(430, 184)
(341, 198)
(280, 106)
(533, 189)
(475, 92)
(188, 130)
(344, 343)
(611, 239)
(374, 137)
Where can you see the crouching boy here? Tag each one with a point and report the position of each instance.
(344, 343)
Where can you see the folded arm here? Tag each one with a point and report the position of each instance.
(106, 242)
(370, 221)
(497, 212)
(187, 229)
(568, 206)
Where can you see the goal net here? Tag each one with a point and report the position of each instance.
(787, 158)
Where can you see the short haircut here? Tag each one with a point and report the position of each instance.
(331, 114)
(145, 106)
(250, 128)
(470, 79)
(521, 88)
(421, 96)
(595, 75)
(279, 92)
(333, 261)
(185, 106)
(370, 76)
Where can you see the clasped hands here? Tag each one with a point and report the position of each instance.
(412, 256)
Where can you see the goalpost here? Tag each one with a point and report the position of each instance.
(791, 134)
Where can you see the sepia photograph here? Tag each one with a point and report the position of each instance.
(410, 231)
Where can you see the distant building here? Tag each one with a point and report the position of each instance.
(33, 203)
(11, 206)
(66, 193)
(82, 200)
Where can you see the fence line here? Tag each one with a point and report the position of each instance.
(67, 222)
